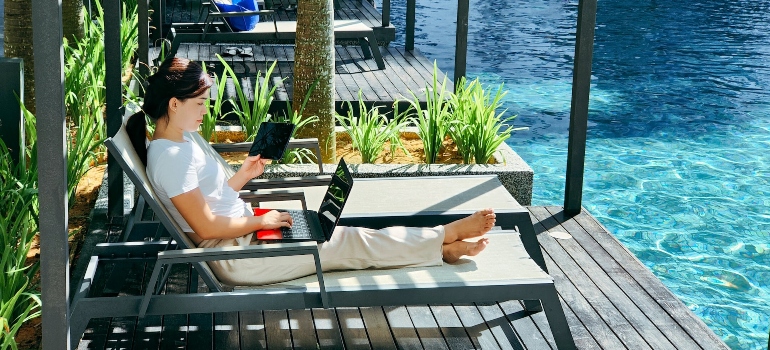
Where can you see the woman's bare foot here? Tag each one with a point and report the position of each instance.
(454, 251)
(474, 225)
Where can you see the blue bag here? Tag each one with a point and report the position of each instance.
(244, 23)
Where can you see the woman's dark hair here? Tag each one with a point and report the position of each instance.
(176, 77)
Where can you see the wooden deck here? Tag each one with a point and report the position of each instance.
(611, 301)
(405, 72)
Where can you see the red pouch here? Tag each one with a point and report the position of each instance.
(266, 235)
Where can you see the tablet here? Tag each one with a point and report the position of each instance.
(271, 140)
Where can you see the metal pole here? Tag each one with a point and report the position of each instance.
(578, 119)
(385, 13)
(114, 103)
(52, 172)
(461, 40)
(11, 118)
(410, 10)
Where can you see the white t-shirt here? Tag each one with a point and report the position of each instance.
(175, 168)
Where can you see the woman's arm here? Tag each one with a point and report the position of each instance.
(252, 167)
(206, 225)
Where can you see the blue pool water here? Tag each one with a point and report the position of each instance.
(678, 157)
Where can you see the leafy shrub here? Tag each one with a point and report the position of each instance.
(214, 112)
(19, 302)
(478, 129)
(370, 130)
(251, 116)
(298, 155)
(433, 121)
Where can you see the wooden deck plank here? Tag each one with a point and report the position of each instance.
(528, 333)
(226, 331)
(377, 328)
(302, 329)
(200, 331)
(174, 333)
(599, 289)
(401, 326)
(352, 327)
(327, 329)
(451, 327)
(252, 330)
(478, 331)
(372, 75)
(669, 303)
(623, 279)
(427, 328)
(277, 329)
(499, 326)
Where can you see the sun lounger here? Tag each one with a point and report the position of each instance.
(216, 30)
(504, 271)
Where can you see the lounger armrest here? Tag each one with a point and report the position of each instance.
(191, 255)
(246, 146)
(309, 143)
(272, 196)
(195, 255)
(308, 181)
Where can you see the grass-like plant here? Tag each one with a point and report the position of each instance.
(214, 112)
(478, 129)
(298, 155)
(252, 115)
(19, 301)
(370, 130)
(433, 121)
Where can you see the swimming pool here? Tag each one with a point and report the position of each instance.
(678, 154)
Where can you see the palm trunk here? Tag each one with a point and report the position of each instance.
(72, 19)
(18, 43)
(314, 61)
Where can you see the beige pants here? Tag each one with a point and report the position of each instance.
(351, 248)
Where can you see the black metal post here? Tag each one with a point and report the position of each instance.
(52, 175)
(144, 37)
(11, 118)
(114, 103)
(385, 13)
(578, 119)
(461, 40)
(156, 21)
(410, 20)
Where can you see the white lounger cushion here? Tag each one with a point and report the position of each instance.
(504, 261)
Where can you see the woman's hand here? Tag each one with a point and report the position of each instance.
(275, 219)
(254, 166)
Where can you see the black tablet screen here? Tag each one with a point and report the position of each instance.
(271, 140)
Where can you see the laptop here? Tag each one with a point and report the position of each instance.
(272, 140)
(310, 225)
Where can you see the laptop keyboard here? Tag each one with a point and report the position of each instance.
(300, 228)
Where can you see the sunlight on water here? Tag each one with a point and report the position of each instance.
(678, 166)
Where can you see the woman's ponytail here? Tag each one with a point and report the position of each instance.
(136, 127)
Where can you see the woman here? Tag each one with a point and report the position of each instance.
(206, 205)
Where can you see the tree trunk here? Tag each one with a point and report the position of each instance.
(314, 61)
(18, 43)
(72, 19)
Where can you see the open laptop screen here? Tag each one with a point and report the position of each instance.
(336, 195)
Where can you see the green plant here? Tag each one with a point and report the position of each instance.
(251, 116)
(370, 130)
(214, 112)
(298, 155)
(19, 302)
(433, 121)
(478, 129)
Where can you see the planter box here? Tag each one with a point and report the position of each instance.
(513, 172)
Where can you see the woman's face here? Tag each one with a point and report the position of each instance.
(188, 114)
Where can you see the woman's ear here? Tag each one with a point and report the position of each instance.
(173, 103)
